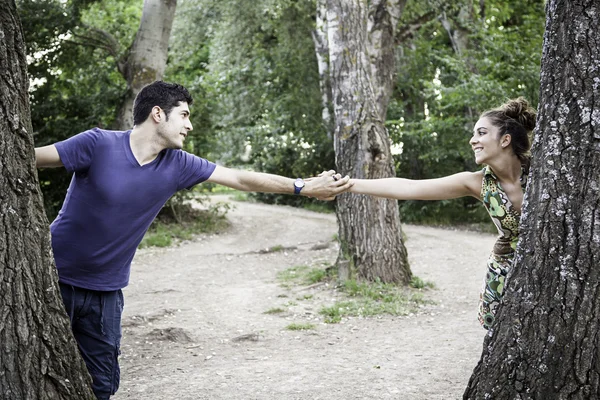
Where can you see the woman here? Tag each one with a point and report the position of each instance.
(501, 142)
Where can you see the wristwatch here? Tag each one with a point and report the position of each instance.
(298, 185)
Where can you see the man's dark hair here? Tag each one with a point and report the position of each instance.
(159, 93)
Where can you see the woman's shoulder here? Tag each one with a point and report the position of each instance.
(472, 181)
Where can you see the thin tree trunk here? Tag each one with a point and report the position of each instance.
(381, 27)
(319, 36)
(546, 341)
(38, 356)
(147, 58)
(370, 231)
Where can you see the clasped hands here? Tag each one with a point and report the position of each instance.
(327, 185)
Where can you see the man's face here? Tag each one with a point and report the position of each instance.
(174, 128)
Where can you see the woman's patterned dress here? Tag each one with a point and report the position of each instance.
(506, 219)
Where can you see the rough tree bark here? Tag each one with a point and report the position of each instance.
(546, 341)
(319, 36)
(361, 59)
(147, 58)
(38, 356)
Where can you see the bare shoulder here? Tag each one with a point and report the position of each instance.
(473, 181)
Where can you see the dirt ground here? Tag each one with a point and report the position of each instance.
(194, 324)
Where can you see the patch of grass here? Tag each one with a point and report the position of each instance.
(292, 275)
(419, 283)
(275, 248)
(332, 314)
(275, 310)
(167, 230)
(158, 236)
(316, 275)
(359, 299)
(302, 275)
(305, 297)
(369, 299)
(300, 327)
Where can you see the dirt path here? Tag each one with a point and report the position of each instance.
(194, 323)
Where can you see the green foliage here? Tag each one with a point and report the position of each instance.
(264, 79)
(75, 86)
(251, 68)
(440, 94)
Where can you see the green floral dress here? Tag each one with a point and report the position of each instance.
(506, 218)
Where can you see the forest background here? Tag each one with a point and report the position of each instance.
(251, 68)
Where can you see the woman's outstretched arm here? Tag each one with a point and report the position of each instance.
(448, 187)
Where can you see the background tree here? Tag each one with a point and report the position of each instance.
(546, 338)
(254, 75)
(146, 59)
(361, 56)
(39, 358)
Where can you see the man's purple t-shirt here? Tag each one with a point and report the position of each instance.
(110, 204)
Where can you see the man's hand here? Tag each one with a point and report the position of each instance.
(326, 185)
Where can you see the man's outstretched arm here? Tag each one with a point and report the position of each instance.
(47, 157)
(326, 186)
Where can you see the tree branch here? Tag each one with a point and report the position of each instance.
(97, 37)
(407, 30)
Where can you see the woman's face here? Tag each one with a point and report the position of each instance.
(486, 143)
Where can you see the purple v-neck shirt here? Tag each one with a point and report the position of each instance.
(110, 204)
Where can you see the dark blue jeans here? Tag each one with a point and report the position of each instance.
(96, 323)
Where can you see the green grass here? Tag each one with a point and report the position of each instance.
(419, 283)
(302, 275)
(164, 234)
(291, 276)
(300, 327)
(275, 310)
(370, 299)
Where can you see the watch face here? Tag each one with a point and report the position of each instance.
(299, 183)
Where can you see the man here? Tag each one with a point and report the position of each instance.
(121, 181)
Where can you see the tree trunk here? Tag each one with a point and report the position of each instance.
(370, 231)
(381, 27)
(38, 356)
(147, 58)
(546, 341)
(319, 36)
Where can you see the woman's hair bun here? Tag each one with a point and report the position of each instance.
(520, 110)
